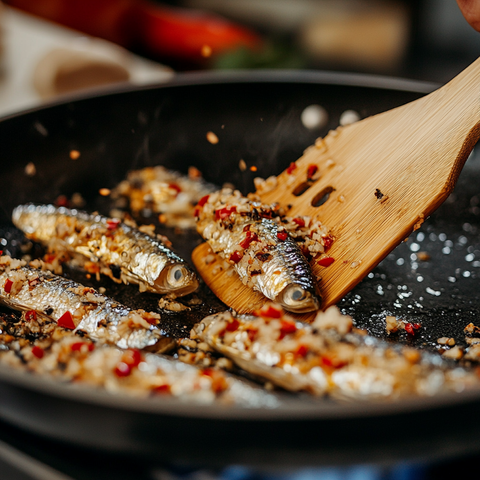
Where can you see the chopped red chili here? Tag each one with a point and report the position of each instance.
(291, 168)
(66, 321)
(311, 171)
(203, 200)
(122, 370)
(225, 212)
(251, 237)
(30, 315)
(38, 352)
(327, 241)
(326, 261)
(252, 333)
(77, 346)
(61, 201)
(282, 236)
(8, 285)
(286, 328)
(332, 362)
(132, 357)
(233, 326)
(269, 311)
(411, 328)
(113, 223)
(165, 388)
(299, 221)
(302, 351)
(175, 187)
(236, 256)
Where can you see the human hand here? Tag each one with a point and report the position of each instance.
(471, 11)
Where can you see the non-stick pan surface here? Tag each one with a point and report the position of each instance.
(256, 118)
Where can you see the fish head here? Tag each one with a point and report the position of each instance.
(296, 298)
(177, 278)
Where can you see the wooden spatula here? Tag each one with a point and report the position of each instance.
(382, 175)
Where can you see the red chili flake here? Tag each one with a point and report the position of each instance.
(66, 321)
(165, 388)
(270, 312)
(122, 369)
(203, 201)
(302, 351)
(286, 328)
(326, 261)
(282, 236)
(132, 357)
(224, 212)
(299, 221)
(311, 171)
(409, 329)
(251, 237)
(266, 214)
(208, 372)
(291, 168)
(49, 257)
(77, 346)
(175, 187)
(252, 333)
(417, 326)
(247, 227)
(38, 352)
(1, 252)
(233, 326)
(113, 223)
(236, 256)
(327, 242)
(30, 315)
(332, 362)
(8, 285)
(61, 201)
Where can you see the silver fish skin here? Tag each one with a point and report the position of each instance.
(281, 272)
(141, 259)
(25, 288)
(159, 376)
(328, 358)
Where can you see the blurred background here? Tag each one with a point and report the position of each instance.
(52, 47)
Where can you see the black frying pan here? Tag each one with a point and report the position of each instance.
(257, 118)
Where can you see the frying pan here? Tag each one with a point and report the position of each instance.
(256, 117)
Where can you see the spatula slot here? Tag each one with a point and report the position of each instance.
(321, 197)
(302, 188)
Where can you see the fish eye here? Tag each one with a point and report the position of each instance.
(294, 294)
(176, 275)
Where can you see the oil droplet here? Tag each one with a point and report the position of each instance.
(414, 247)
(400, 261)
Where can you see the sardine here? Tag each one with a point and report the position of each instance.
(328, 357)
(65, 355)
(76, 307)
(122, 251)
(260, 249)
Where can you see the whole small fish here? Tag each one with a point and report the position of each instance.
(76, 307)
(260, 249)
(122, 251)
(328, 357)
(45, 349)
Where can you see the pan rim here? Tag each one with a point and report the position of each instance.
(294, 410)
